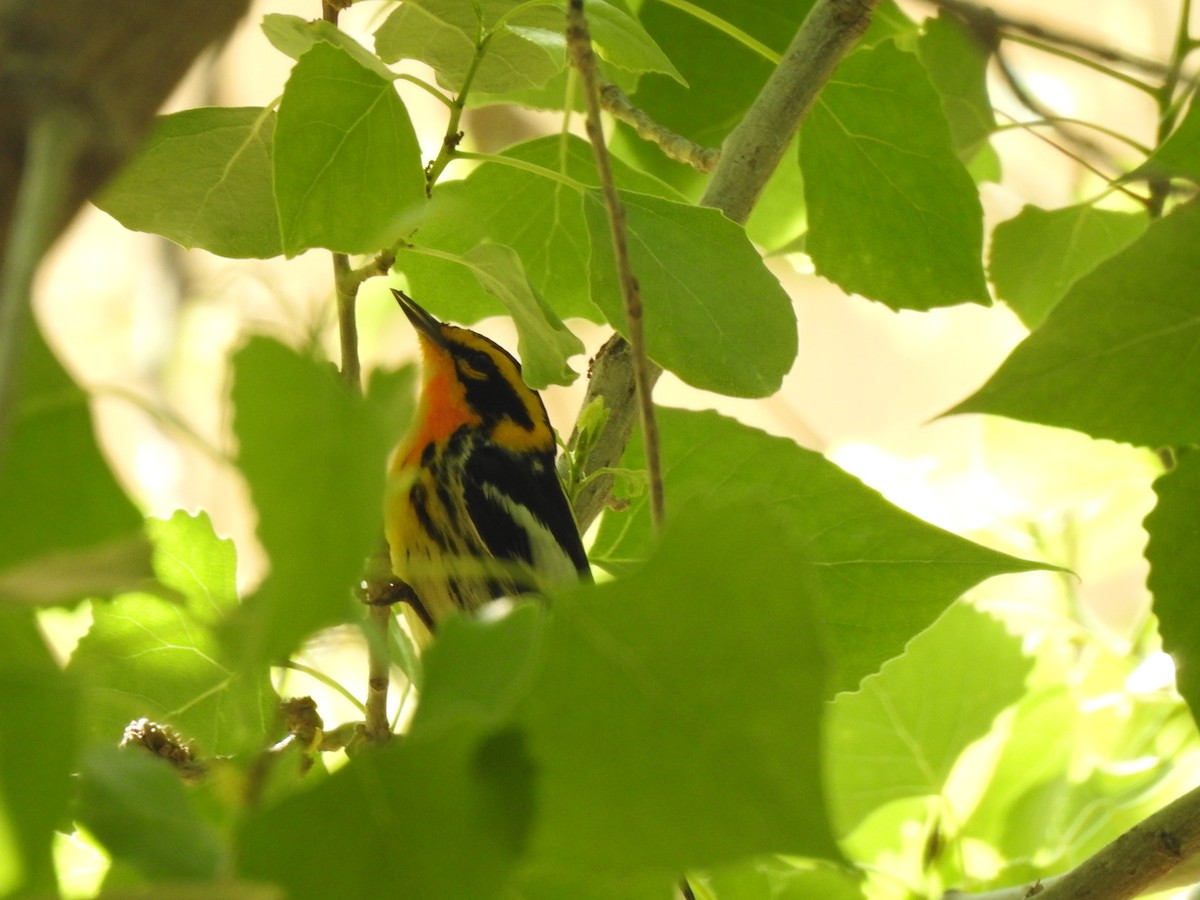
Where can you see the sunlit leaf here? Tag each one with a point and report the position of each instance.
(203, 179)
(888, 742)
(675, 720)
(523, 53)
(1179, 154)
(714, 314)
(621, 39)
(342, 133)
(544, 343)
(1175, 571)
(294, 35)
(403, 816)
(539, 216)
(148, 656)
(1114, 358)
(1037, 255)
(314, 455)
(884, 574)
(957, 66)
(893, 214)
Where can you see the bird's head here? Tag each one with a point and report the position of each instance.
(470, 380)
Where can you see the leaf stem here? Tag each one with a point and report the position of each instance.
(1160, 188)
(426, 87)
(524, 165)
(1055, 121)
(579, 43)
(331, 683)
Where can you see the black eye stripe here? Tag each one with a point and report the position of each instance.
(476, 363)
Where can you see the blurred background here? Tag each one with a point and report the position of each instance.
(148, 328)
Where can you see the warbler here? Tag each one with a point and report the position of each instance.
(475, 508)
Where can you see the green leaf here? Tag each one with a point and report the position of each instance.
(957, 66)
(884, 574)
(140, 810)
(550, 882)
(145, 656)
(1175, 571)
(294, 36)
(1179, 154)
(539, 216)
(1022, 807)
(544, 343)
(621, 39)
(70, 531)
(671, 718)
(203, 179)
(446, 34)
(714, 313)
(343, 133)
(888, 741)
(893, 214)
(676, 715)
(1114, 358)
(314, 455)
(1037, 255)
(443, 817)
(39, 705)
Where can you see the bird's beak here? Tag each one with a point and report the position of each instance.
(427, 326)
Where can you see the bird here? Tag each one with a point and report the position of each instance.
(475, 509)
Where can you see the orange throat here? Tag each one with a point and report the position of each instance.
(443, 407)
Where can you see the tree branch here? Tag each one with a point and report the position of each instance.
(673, 146)
(82, 80)
(1156, 854)
(753, 150)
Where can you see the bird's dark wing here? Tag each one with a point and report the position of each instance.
(497, 483)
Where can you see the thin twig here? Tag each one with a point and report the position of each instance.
(1160, 187)
(579, 42)
(674, 146)
(346, 288)
(379, 616)
(379, 673)
(984, 19)
(324, 679)
(453, 135)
